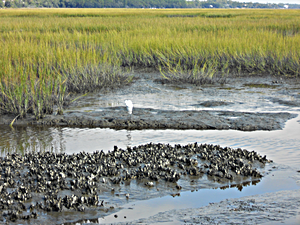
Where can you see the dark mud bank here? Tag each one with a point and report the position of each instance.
(146, 118)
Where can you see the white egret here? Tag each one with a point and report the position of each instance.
(129, 106)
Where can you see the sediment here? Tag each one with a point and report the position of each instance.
(147, 118)
(280, 207)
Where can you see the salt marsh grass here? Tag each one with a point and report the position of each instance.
(48, 54)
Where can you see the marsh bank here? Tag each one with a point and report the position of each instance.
(239, 103)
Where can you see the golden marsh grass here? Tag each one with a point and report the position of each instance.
(48, 53)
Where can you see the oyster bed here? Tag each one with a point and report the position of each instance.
(41, 186)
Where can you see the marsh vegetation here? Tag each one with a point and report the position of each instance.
(48, 55)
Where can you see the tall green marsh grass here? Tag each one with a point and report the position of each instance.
(49, 54)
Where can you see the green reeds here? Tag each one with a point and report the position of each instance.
(95, 77)
(48, 55)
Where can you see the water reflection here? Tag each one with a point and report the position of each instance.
(241, 186)
(282, 146)
(129, 138)
(22, 139)
(276, 181)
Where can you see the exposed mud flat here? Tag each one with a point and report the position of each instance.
(282, 207)
(117, 118)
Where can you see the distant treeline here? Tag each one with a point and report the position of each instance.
(139, 4)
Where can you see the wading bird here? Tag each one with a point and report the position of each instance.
(129, 106)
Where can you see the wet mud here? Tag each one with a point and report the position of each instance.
(118, 118)
(282, 207)
(247, 104)
(47, 186)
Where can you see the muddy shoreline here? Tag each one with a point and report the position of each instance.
(282, 207)
(278, 205)
(117, 118)
(238, 104)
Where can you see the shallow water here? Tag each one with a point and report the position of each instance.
(199, 198)
(282, 146)
(145, 93)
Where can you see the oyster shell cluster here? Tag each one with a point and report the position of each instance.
(46, 176)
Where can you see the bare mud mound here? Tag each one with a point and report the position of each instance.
(117, 118)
